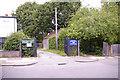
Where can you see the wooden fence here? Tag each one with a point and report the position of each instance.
(111, 50)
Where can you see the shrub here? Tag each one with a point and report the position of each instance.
(13, 41)
(91, 45)
(52, 42)
(98, 51)
(29, 52)
(61, 36)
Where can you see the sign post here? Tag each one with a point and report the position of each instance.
(78, 49)
(28, 47)
(35, 46)
(73, 42)
(71, 47)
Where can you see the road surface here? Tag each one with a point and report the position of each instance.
(48, 67)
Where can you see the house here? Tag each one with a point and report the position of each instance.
(46, 39)
(8, 25)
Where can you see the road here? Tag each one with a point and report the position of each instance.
(48, 67)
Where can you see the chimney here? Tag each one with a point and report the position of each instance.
(6, 14)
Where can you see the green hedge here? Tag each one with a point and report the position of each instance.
(28, 51)
(13, 41)
(52, 40)
(93, 45)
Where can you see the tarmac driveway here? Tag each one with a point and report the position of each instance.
(51, 65)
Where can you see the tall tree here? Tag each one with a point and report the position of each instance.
(25, 13)
(46, 13)
(36, 20)
(94, 23)
(92, 27)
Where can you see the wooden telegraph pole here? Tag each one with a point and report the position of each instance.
(56, 28)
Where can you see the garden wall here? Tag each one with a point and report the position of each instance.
(9, 54)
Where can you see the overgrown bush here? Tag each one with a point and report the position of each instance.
(28, 52)
(13, 41)
(93, 45)
(61, 37)
(99, 51)
(52, 42)
(92, 28)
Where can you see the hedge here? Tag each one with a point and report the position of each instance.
(13, 41)
(93, 45)
(28, 51)
(52, 40)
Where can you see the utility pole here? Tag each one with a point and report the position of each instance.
(56, 28)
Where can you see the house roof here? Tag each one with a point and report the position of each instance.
(7, 17)
(51, 34)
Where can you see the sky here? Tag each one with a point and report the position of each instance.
(7, 6)
(92, 3)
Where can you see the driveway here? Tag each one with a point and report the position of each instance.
(51, 65)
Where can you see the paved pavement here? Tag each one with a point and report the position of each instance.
(55, 66)
(18, 61)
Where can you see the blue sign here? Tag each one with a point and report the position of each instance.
(73, 42)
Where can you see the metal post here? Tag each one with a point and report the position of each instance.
(35, 46)
(56, 28)
(68, 46)
(21, 54)
(78, 48)
(21, 49)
